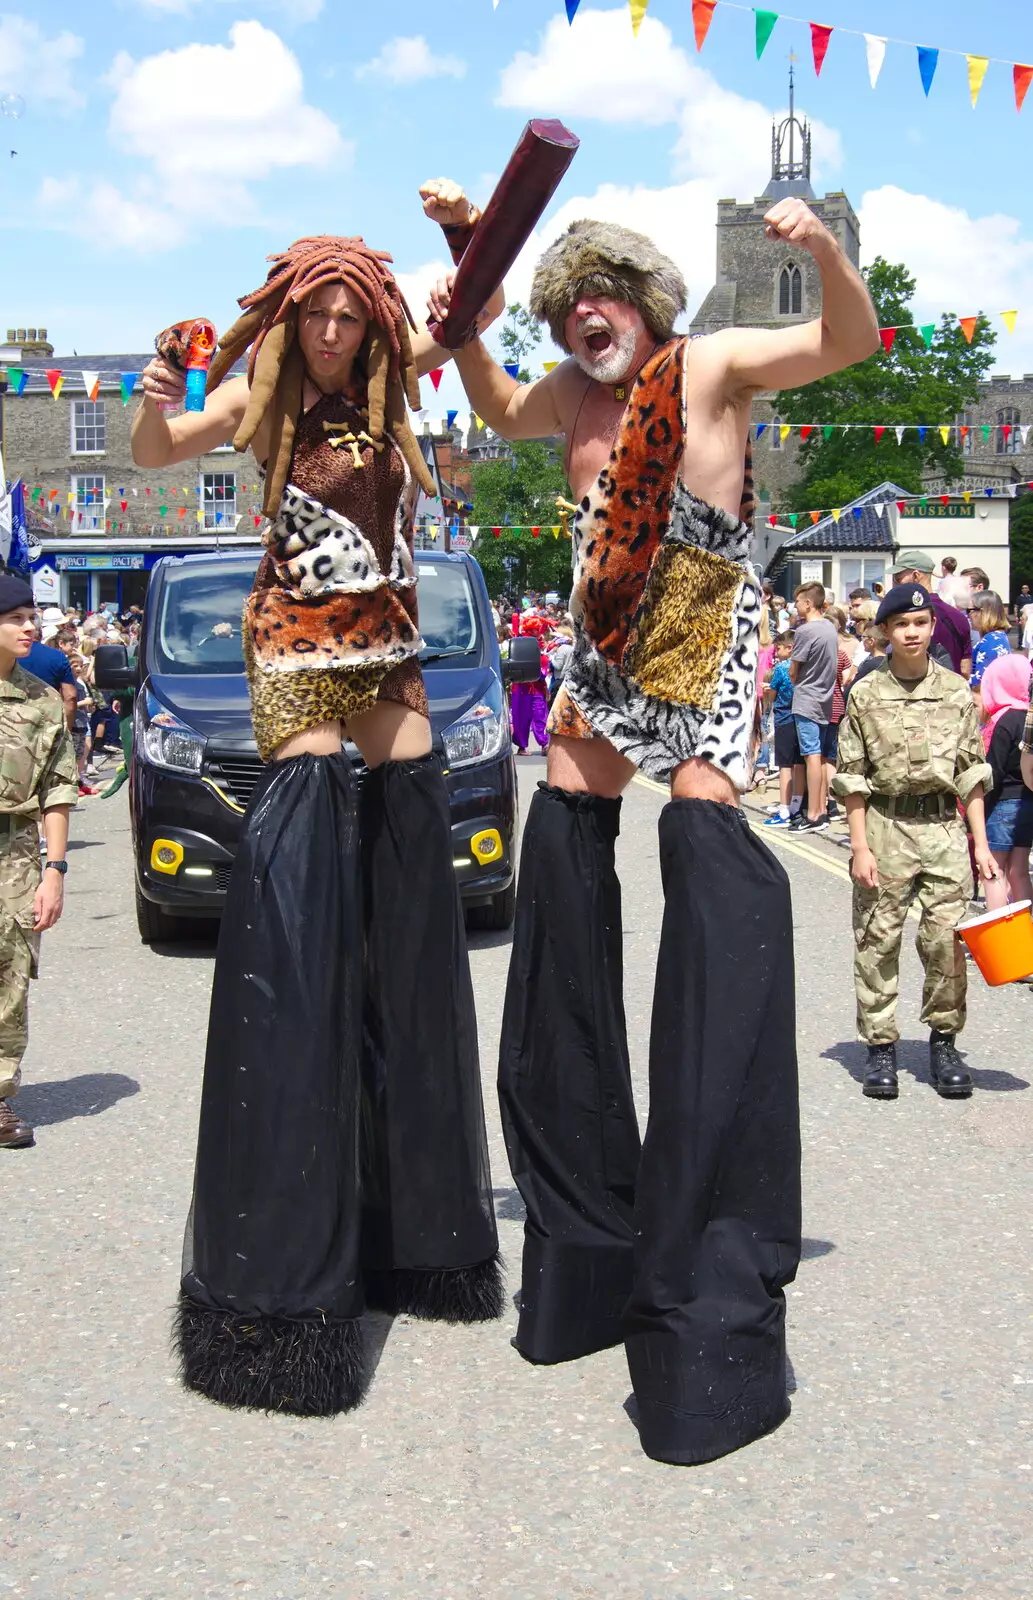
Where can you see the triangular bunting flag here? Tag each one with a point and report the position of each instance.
(784, 431)
(772, 522)
(967, 496)
(899, 505)
(1009, 319)
(436, 377)
(473, 529)
(555, 533)
(899, 431)
(806, 430)
(944, 433)
(794, 517)
(638, 11)
(857, 513)
(256, 519)
(17, 377)
(927, 330)
(968, 327)
(876, 49)
(163, 511)
(475, 419)
(765, 25)
(702, 16)
(945, 499)
(760, 428)
(513, 368)
(450, 417)
(879, 431)
(977, 66)
(820, 36)
(927, 60)
(887, 335)
(827, 431)
(837, 512)
(879, 509)
(56, 379)
(985, 430)
(964, 430)
(921, 434)
(1023, 432)
(127, 383)
(989, 493)
(549, 365)
(815, 516)
(1023, 77)
(91, 383)
(572, 6)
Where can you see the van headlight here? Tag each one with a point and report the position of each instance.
(163, 739)
(480, 733)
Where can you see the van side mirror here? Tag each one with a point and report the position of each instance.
(524, 661)
(111, 670)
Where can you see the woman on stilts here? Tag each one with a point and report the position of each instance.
(342, 1160)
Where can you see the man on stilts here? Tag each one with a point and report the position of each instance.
(681, 1248)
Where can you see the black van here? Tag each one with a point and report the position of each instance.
(195, 761)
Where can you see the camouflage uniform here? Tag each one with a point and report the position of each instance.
(37, 772)
(912, 750)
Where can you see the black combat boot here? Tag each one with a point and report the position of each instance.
(950, 1076)
(880, 1073)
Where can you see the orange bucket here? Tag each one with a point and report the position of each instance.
(1001, 942)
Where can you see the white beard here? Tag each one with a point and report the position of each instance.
(614, 363)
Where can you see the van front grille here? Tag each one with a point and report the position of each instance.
(236, 775)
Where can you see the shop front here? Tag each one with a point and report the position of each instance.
(107, 573)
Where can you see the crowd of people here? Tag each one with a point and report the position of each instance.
(544, 619)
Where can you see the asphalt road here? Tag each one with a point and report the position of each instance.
(906, 1468)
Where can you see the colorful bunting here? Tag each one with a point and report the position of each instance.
(56, 380)
(127, 383)
(887, 335)
(760, 428)
(765, 27)
(927, 330)
(17, 377)
(898, 430)
(968, 327)
(638, 11)
(944, 433)
(977, 66)
(820, 36)
(1009, 319)
(927, 60)
(91, 383)
(572, 6)
(785, 430)
(875, 48)
(450, 417)
(702, 16)
(879, 431)
(549, 365)
(436, 377)
(513, 368)
(1022, 78)
(806, 431)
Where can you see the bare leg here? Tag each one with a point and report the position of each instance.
(588, 766)
(390, 732)
(815, 781)
(701, 780)
(785, 786)
(996, 889)
(1020, 886)
(324, 739)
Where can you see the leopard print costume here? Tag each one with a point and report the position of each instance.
(666, 605)
(331, 625)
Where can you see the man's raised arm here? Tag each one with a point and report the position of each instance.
(846, 332)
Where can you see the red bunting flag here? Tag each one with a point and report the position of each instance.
(879, 433)
(1006, 428)
(1023, 76)
(968, 327)
(257, 521)
(772, 522)
(124, 504)
(436, 377)
(820, 36)
(806, 430)
(702, 16)
(182, 511)
(900, 505)
(945, 499)
(535, 532)
(887, 335)
(55, 378)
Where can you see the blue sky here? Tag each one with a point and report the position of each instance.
(167, 146)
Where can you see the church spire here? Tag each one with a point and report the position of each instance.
(790, 152)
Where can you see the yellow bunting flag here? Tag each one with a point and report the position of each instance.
(478, 424)
(784, 431)
(944, 433)
(638, 11)
(548, 365)
(837, 512)
(555, 533)
(200, 516)
(977, 66)
(56, 380)
(968, 496)
(968, 327)
(1008, 318)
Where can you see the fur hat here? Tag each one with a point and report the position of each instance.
(602, 258)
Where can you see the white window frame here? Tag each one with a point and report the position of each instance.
(90, 515)
(213, 506)
(78, 401)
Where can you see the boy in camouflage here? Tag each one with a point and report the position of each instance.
(37, 778)
(909, 749)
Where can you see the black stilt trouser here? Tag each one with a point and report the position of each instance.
(430, 1245)
(564, 1080)
(717, 1209)
(271, 1290)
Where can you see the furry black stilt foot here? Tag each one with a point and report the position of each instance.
(311, 1368)
(455, 1294)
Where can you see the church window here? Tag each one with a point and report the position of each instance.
(1009, 440)
(790, 292)
(776, 433)
(966, 440)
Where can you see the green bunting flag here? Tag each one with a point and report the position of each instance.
(17, 377)
(827, 431)
(127, 383)
(765, 27)
(927, 330)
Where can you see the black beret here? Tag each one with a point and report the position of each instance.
(903, 597)
(14, 592)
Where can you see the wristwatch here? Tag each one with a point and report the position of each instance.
(58, 866)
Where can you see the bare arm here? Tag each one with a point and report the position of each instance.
(162, 441)
(70, 696)
(514, 410)
(1026, 767)
(846, 332)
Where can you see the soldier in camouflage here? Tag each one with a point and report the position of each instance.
(38, 779)
(909, 750)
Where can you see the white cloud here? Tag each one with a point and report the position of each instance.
(415, 285)
(961, 263)
(409, 59)
(34, 66)
(100, 213)
(240, 111)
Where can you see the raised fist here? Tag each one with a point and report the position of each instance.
(444, 202)
(794, 222)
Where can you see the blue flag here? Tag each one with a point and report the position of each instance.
(450, 417)
(513, 368)
(18, 560)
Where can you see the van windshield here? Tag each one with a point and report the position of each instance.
(198, 629)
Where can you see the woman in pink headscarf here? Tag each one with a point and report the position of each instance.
(1009, 806)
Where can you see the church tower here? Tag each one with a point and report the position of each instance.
(761, 283)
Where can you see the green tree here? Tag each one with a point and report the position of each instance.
(1020, 540)
(904, 384)
(519, 336)
(521, 489)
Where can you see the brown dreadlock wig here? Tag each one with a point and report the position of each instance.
(276, 365)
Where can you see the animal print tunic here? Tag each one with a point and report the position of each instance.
(331, 624)
(666, 605)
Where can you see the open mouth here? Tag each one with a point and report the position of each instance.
(597, 340)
